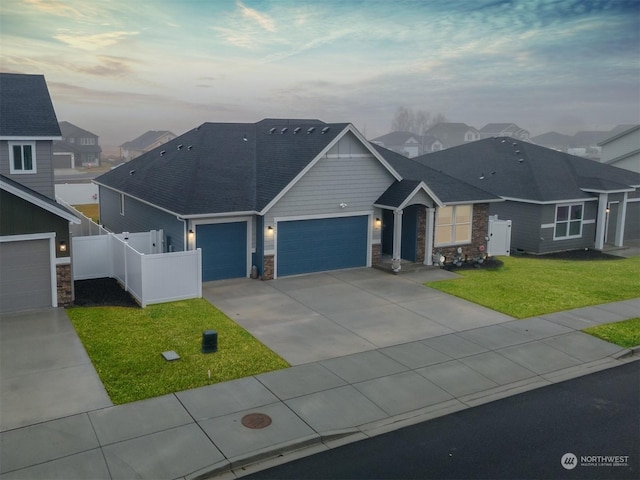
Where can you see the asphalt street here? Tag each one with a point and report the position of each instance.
(528, 436)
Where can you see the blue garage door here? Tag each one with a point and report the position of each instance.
(306, 246)
(224, 250)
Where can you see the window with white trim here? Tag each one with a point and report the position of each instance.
(22, 157)
(453, 225)
(568, 221)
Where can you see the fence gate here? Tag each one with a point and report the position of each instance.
(499, 236)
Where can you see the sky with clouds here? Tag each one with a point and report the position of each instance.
(121, 67)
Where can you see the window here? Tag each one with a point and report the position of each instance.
(87, 141)
(22, 157)
(568, 221)
(453, 225)
(121, 204)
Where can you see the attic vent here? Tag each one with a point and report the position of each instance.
(163, 152)
(180, 147)
(189, 147)
(272, 130)
(296, 130)
(520, 160)
(283, 130)
(325, 130)
(310, 129)
(503, 141)
(517, 151)
(515, 144)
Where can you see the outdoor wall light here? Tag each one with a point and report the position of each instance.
(270, 230)
(378, 222)
(191, 234)
(608, 210)
(62, 246)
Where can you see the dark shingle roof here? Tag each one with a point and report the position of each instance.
(445, 187)
(515, 169)
(146, 139)
(25, 107)
(223, 167)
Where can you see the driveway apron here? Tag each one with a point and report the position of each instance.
(320, 316)
(45, 372)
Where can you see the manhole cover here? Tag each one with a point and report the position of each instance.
(256, 420)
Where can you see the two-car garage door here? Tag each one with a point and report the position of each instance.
(305, 246)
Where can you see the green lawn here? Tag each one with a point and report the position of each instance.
(525, 287)
(125, 346)
(91, 210)
(625, 333)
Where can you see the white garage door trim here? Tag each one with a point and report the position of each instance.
(51, 236)
(276, 220)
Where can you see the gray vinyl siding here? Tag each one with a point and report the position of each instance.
(587, 240)
(341, 176)
(632, 225)
(42, 180)
(139, 217)
(525, 223)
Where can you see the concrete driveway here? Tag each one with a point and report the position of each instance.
(320, 316)
(45, 372)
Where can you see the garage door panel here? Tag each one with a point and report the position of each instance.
(306, 246)
(224, 250)
(25, 276)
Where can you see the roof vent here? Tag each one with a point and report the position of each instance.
(180, 147)
(517, 151)
(189, 147)
(131, 172)
(503, 141)
(272, 130)
(310, 130)
(520, 160)
(481, 177)
(515, 144)
(296, 130)
(163, 152)
(244, 138)
(325, 130)
(283, 131)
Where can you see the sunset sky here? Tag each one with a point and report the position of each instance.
(119, 68)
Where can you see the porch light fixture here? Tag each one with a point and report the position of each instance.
(608, 210)
(270, 230)
(62, 246)
(191, 234)
(378, 222)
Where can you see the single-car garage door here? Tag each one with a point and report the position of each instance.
(224, 250)
(25, 276)
(306, 246)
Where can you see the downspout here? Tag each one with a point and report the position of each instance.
(185, 234)
(601, 220)
(428, 254)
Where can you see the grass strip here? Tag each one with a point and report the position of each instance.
(625, 333)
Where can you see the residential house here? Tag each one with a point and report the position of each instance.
(556, 201)
(553, 140)
(290, 197)
(622, 150)
(35, 247)
(144, 143)
(504, 130)
(583, 144)
(76, 148)
(448, 134)
(406, 143)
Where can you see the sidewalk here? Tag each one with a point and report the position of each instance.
(315, 406)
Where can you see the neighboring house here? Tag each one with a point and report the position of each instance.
(554, 140)
(145, 143)
(291, 197)
(623, 149)
(35, 247)
(77, 148)
(405, 143)
(449, 135)
(504, 130)
(556, 201)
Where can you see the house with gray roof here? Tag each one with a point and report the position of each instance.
(406, 143)
(556, 201)
(77, 147)
(35, 251)
(504, 130)
(451, 134)
(291, 196)
(144, 143)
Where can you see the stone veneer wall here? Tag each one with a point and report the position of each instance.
(422, 235)
(267, 268)
(376, 253)
(479, 232)
(64, 285)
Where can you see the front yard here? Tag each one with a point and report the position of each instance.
(525, 287)
(125, 346)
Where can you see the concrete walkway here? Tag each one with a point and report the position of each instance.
(324, 402)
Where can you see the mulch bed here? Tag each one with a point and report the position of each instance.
(101, 292)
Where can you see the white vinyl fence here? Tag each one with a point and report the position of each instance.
(149, 277)
(77, 193)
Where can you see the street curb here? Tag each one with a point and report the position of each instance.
(628, 352)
